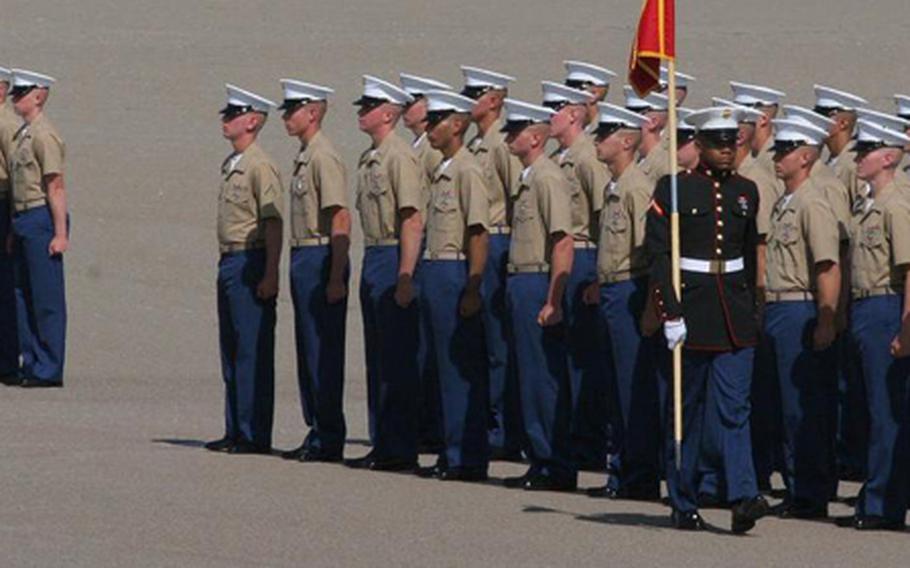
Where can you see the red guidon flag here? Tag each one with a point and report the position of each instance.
(655, 41)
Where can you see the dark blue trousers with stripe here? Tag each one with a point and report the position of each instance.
(391, 336)
(874, 324)
(320, 339)
(457, 350)
(247, 336)
(40, 297)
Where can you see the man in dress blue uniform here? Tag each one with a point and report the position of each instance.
(9, 339)
(40, 233)
(250, 214)
(588, 180)
(320, 238)
(803, 279)
(489, 89)
(451, 276)
(391, 200)
(718, 238)
(880, 324)
(621, 292)
(540, 261)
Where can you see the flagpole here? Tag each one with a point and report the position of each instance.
(674, 261)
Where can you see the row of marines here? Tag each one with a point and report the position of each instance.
(513, 299)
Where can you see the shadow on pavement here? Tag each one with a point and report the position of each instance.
(182, 442)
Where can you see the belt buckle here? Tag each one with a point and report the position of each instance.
(717, 266)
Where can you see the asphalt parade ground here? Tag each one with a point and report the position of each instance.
(110, 471)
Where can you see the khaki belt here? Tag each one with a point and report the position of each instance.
(379, 242)
(625, 275)
(528, 268)
(444, 255)
(716, 266)
(789, 296)
(310, 241)
(501, 230)
(586, 245)
(874, 292)
(240, 247)
(34, 204)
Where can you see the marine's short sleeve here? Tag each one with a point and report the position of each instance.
(473, 195)
(267, 189)
(49, 152)
(330, 175)
(555, 204)
(594, 178)
(899, 220)
(407, 181)
(821, 231)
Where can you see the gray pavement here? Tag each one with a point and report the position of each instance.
(109, 472)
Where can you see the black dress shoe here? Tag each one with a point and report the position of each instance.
(747, 512)
(393, 464)
(542, 482)
(294, 454)
(244, 447)
(876, 523)
(39, 384)
(687, 521)
(10, 380)
(467, 474)
(220, 445)
(603, 492)
(365, 462)
(517, 482)
(803, 511)
(431, 472)
(320, 456)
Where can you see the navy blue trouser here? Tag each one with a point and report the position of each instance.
(505, 429)
(874, 323)
(391, 335)
(728, 375)
(767, 444)
(586, 364)
(457, 349)
(320, 334)
(543, 378)
(636, 463)
(247, 336)
(40, 297)
(805, 377)
(852, 432)
(9, 335)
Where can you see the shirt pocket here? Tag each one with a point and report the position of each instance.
(872, 236)
(377, 183)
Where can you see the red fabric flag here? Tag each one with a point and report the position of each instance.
(655, 41)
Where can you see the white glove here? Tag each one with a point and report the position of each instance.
(675, 332)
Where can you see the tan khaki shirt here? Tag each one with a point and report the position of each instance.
(39, 151)
(458, 201)
(9, 124)
(764, 159)
(389, 180)
(501, 170)
(770, 188)
(880, 243)
(588, 179)
(844, 166)
(541, 208)
(803, 233)
(657, 163)
(836, 193)
(319, 184)
(620, 249)
(250, 193)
